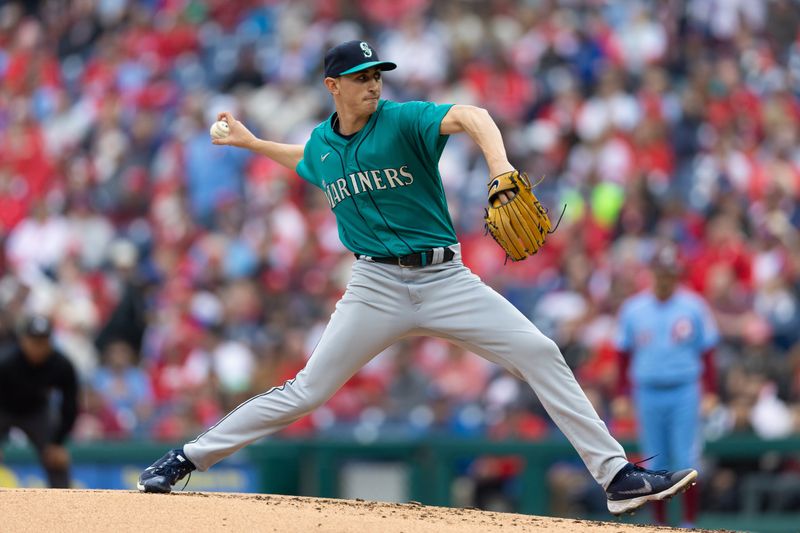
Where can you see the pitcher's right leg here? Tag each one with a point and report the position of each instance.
(371, 315)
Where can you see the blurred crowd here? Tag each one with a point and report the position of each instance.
(184, 278)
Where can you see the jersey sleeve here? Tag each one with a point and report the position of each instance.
(302, 167)
(424, 120)
(709, 331)
(305, 167)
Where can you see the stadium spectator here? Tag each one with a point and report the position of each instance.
(125, 389)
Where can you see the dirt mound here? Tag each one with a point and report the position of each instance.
(89, 511)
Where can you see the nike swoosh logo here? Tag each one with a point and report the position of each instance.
(493, 185)
(324, 156)
(644, 490)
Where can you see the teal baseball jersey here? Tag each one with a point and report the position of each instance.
(383, 183)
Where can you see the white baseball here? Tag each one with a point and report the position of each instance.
(219, 129)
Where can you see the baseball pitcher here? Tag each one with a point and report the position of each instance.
(376, 161)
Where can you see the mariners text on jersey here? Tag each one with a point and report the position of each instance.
(369, 180)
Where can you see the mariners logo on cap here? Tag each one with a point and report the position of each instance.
(351, 57)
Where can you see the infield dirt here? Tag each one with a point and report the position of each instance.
(89, 511)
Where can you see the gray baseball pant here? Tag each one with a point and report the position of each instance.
(384, 303)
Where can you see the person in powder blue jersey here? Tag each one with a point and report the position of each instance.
(376, 162)
(665, 341)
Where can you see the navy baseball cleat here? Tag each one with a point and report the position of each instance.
(633, 486)
(161, 475)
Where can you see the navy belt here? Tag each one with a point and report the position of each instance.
(419, 259)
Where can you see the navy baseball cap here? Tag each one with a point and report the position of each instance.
(351, 57)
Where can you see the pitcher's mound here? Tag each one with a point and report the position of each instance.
(87, 511)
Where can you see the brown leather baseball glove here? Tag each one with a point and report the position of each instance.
(519, 225)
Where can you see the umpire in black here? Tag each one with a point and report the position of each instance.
(31, 370)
